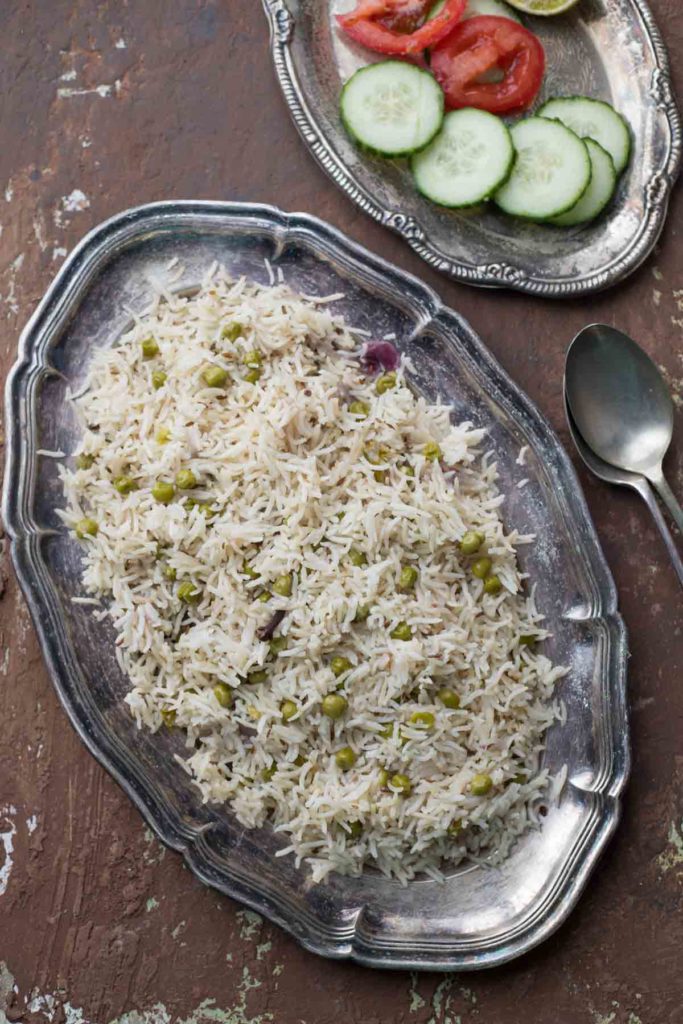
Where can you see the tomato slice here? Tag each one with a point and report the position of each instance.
(484, 44)
(398, 26)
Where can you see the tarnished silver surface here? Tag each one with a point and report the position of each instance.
(481, 916)
(608, 49)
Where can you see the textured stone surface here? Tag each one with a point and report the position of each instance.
(109, 104)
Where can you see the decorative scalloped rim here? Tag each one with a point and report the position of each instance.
(195, 842)
(658, 188)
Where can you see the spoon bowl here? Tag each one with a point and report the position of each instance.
(621, 405)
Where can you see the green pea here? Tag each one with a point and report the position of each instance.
(125, 484)
(423, 719)
(163, 491)
(288, 709)
(268, 773)
(159, 378)
(185, 480)
(264, 597)
(204, 507)
(345, 758)
(481, 568)
(277, 645)
(168, 716)
(359, 409)
(253, 376)
(340, 665)
(455, 827)
(385, 383)
(149, 347)
(381, 475)
(188, 593)
(162, 435)
(387, 731)
(86, 528)
(408, 470)
(492, 585)
(300, 761)
(283, 585)
(471, 542)
(334, 705)
(528, 639)
(215, 376)
(259, 675)
(408, 577)
(362, 612)
(84, 461)
(357, 558)
(354, 829)
(432, 451)
(248, 571)
(223, 695)
(449, 698)
(480, 784)
(383, 778)
(402, 783)
(520, 778)
(232, 331)
(170, 573)
(377, 455)
(253, 358)
(401, 632)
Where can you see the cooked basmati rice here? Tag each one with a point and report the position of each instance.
(290, 481)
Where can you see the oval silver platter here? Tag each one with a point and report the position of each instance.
(608, 49)
(481, 915)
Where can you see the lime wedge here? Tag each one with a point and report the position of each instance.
(544, 8)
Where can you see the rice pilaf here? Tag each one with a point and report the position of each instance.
(307, 571)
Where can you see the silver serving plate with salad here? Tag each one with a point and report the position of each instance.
(605, 49)
(481, 915)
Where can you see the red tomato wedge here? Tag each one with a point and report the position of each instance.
(398, 27)
(483, 44)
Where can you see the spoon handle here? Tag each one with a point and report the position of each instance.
(668, 497)
(645, 491)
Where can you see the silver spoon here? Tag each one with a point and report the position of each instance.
(638, 483)
(621, 405)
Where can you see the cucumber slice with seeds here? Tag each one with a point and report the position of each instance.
(469, 159)
(552, 171)
(599, 192)
(392, 107)
(593, 119)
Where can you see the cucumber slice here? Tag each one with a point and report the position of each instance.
(476, 7)
(599, 192)
(552, 171)
(469, 159)
(392, 107)
(593, 119)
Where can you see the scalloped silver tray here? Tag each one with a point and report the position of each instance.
(480, 916)
(609, 49)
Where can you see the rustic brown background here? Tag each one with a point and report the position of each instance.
(108, 104)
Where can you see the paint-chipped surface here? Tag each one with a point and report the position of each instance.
(7, 815)
(671, 858)
(110, 104)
